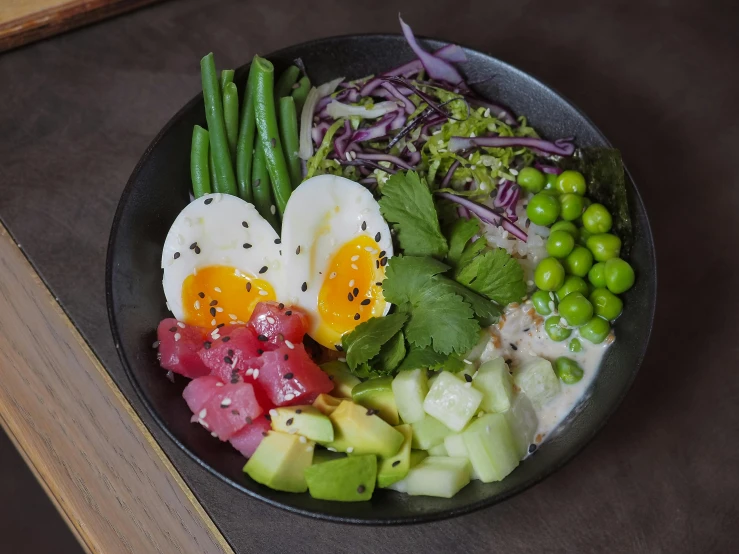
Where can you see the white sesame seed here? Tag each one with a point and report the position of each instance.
(551, 295)
(234, 317)
(216, 336)
(473, 167)
(355, 258)
(551, 305)
(217, 289)
(203, 413)
(354, 266)
(349, 450)
(270, 320)
(214, 435)
(226, 402)
(213, 321)
(180, 325)
(273, 413)
(155, 344)
(250, 371)
(475, 374)
(342, 359)
(256, 373)
(240, 322)
(467, 361)
(351, 283)
(197, 304)
(487, 113)
(513, 171)
(289, 397)
(348, 156)
(303, 440)
(203, 423)
(194, 270)
(330, 449)
(219, 309)
(272, 209)
(354, 155)
(368, 248)
(530, 283)
(177, 337)
(501, 115)
(289, 344)
(562, 322)
(263, 293)
(219, 384)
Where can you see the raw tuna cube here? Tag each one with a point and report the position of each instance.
(278, 322)
(229, 356)
(289, 376)
(198, 392)
(247, 440)
(178, 348)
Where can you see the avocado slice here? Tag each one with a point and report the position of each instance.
(350, 479)
(377, 394)
(359, 431)
(391, 470)
(279, 462)
(303, 420)
(429, 432)
(322, 455)
(342, 378)
(326, 404)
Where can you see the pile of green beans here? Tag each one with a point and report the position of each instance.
(250, 148)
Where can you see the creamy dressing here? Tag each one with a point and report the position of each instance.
(520, 334)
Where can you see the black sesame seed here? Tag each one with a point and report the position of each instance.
(527, 329)
(176, 255)
(214, 303)
(396, 463)
(248, 287)
(197, 250)
(173, 329)
(360, 489)
(304, 286)
(228, 360)
(273, 142)
(378, 236)
(371, 411)
(532, 448)
(468, 377)
(263, 269)
(278, 241)
(213, 312)
(377, 264)
(382, 254)
(256, 183)
(514, 346)
(383, 262)
(350, 297)
(473, 279)
(193, 246)
(220, 325)
(260, 351)
(247, 245)
(235, 412)
(339, 347)
(206, 344)
(249, 420)
(281, 306)
(268, 417)
(289, 312)
(330, 377)
(230, 352)
(364, 225)
(378, 283)
(286, 357)
(527, 224)
(234, 380)
(245, 224)
(289, 422)
(365, 302)
(265, 433)
(356, 291)
(297, 250)
(208, 201)
(298, 411)
(356, 317)
(262, 338)
(288, 376)
(201, 294)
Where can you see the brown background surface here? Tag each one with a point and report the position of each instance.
(658, 77)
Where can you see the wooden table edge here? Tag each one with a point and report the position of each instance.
(36, 454)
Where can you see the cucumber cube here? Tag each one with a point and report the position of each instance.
(452, 401)
(410, 388)
(428, 432)
(455, 448)
(474, 354)
(523, 422)
(436, 476)
(491, 447)
(438, 450)
(495, 383)
(537, 379)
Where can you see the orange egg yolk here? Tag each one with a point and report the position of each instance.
(352, 290)
(221, 294)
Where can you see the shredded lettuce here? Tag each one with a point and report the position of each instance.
(316, 160)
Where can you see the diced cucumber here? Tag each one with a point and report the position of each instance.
(491, 447)
(436, 476)
(343, 379)
(523, 422)
(495, 383)
(452, 401)
(393, 469)
(455, 448)
(428, 433)
(537, 379)
(474, 354)
(438, 450)
(410, 388)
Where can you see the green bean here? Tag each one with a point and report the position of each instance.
(290, 142)
(199, 172)
(227, 76)
(284, 85)
(231, 116)
(300, 94)
(212, 170)
(261, 189)
(225, 180)
(245, 142)
(269, 134)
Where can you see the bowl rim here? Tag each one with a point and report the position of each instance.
(395, 520)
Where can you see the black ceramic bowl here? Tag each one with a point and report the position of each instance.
(158, 190)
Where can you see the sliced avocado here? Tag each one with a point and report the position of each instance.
(495, 383)
(417, 456)
(279, 462)
(342, 378)
(359, 431)
(326, 403)
(303, 420)
(491, 447)
(410, 388)
(428, 433)
(390, 470)
(377, 394)
(350, 479)
(439, 476)
(322, 455)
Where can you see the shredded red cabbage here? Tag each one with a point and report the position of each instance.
(383, 158)
(487, 214)
(544, 168)
(435, 67)
(507, 198)
(560, 147)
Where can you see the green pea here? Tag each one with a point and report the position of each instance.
(597, 275)
(571, 182)
(606, 304)
(584, 236)
(579, 261)
(597, 219)
(551, 182)
(549, 274)
(576, 309)
(619, 275)
(560, 244)
(543, 209)
(574, 346)
(542, 302)
(531, 179)
(568, 226)
(555, 331)
(596, 330)
(572, 284)
(571, 206)
(604, 246)
(569, 371)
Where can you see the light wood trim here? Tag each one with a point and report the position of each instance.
(80, 436)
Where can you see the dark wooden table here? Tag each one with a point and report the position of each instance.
(659, 78)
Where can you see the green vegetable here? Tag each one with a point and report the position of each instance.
(606, 304)
(572, 206)
(543, 209)
(486, 311)
(579, 261)
(428, 358)
(541, 300)
(458, 235)
(531, 179)
(596, 219)
(568, 226)
(574, 346)
(576, 309)
(584, 236)
(211, 169)
(289, 134)
(555, 331)
(571, 182)
(597, 275)
(569, 371)
(284, 85)
(549, 275)
(551, 183)
(199, 172)
(596, 330)
(604, 246)
(261, 190)
(231, 116)
(367, 338)
(300, 93)
(227, 76)
(572, 284)
(408, 205)
(391, 354)
(327, 144)
(560, 244)
(494, 274)
(266, 118)
(619, 275)
(245, 140)
(225, 180)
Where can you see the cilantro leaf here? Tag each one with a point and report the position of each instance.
(471, 251)
(366, 340)
(426, 358)
(494, 274)
(391, 354)
(459, 234)
(487, 311)
(405, 276)
(407, 203)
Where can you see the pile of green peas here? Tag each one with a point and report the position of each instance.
(579, 246)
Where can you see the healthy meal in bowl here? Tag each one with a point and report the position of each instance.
(387, 282)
